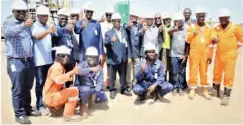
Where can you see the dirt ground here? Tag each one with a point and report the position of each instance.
(172, 109)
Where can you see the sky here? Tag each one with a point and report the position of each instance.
(142, 7)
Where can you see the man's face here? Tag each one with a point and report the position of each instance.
(116, 23)
(151, 54)
(157, 19)
(108, 17)
(63, 58)
(88, 14)
(92, 60)
(149, 21)
(187, 13)
(167, 21)
(43, 18)
(224, 20)
(201, 17)
(179, 23)
(133, 18)
(63, 20)
(74, 17)
(20, 14)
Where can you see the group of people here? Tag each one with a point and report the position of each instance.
(73, 59)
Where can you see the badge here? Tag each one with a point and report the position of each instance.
(156, 75)
(124, 41)
(95, 31)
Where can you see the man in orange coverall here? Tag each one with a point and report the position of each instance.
(200, 38)
(55, 96)
(229, 39)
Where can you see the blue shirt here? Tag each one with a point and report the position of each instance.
(89, 36)
(18, 40)
(90, 78)
(42, 47)
(155, 73)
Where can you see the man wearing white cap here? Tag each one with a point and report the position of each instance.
(116, 42)
(20, 63)
(200, 37)
(56, 96)
(90, 34)
(178, 55)
(229, 39)
(41, 33)
(105, 26)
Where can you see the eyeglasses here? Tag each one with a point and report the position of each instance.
(20, 11)
(157, 18)
(88, 11)
(108, 15)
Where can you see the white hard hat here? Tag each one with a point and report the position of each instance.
(200, 10)
(19, 5)
(165, 15)
(109, 9)
(75, 11)
(89, 6)
(116, 16)
(63, 11)
(149, 15)
(62, 50)
(224, 12)
(92, 51)
(178, 16)
(149, 46)
(42, 10)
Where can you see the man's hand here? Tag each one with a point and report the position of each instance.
(73, 21)
(131, 24)
(70, 26)
(76, 69)
(151, 89)
(209, 60)
(143, 67)
(113, 39)
(52, 29)
(183, 60)
(129, 60)
(28, 22)
(161, 29)
(215, 40)
(102, 60)
(84, 24)
(95, 69)
(145, 27)
(195, 33)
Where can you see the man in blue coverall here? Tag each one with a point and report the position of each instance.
(90, 81)
(150, 76)
(89, 31)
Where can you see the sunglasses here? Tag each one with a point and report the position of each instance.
(157, 18)
(108, 15)
(21, 11)
(74, 15)
(88, 11)
(63, 18)
(152, 51)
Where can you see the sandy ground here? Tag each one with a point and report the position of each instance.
(172, 109)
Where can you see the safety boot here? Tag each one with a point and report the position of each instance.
(205, 93)
(226, 96)
(192, 93)
(216, 90)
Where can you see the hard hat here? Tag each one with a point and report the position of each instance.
(92, 51)
(74, 11)
(109, 9)
(42, 10)
(224, 12)
(149, 46)
(62, 50)
(165, 15)
(89, 6)
(63, 11)
(116, 16)
(157, 14)
(149, 15)
(200, 10)
(178, 16)
(19, 5)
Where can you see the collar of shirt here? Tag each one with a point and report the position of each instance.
(41, 25)
(119, 34)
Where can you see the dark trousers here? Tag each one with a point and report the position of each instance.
(178, 73)
(113, 69)
(21, 73)
(40, 75)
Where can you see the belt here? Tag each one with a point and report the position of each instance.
(22, 59)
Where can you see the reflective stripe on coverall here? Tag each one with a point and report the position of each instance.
(201, 48)
(226, 53)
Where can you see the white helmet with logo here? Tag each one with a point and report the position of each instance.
(200, 10)
(63, 11)
(42, 10)
(19, 5)
(92, 51)
(224, 12)
(149, 46)
(62, 50)
(116, 16)
(178, 16)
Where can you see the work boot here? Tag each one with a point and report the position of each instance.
(174, 92)
(216, 90)
(74, 118)
(205, 93)
(226, 96)
(181, 93)
(192, 93)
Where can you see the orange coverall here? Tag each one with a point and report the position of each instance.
(201, 48)
(55, 95)
(226, 54)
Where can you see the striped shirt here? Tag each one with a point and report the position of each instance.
(18, 40)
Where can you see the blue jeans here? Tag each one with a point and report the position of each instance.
(141, 88)
(21, 73)
(40, 75)
(178, 73)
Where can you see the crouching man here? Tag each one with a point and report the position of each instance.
(55, 96)
(90, 81)
(150, 76)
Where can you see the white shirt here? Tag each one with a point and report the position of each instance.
(42, 48)
(105, 26)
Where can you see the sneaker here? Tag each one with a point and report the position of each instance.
(44, 111)
(22, 120)
(174, 92)
(74, 118)
(181, 93)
